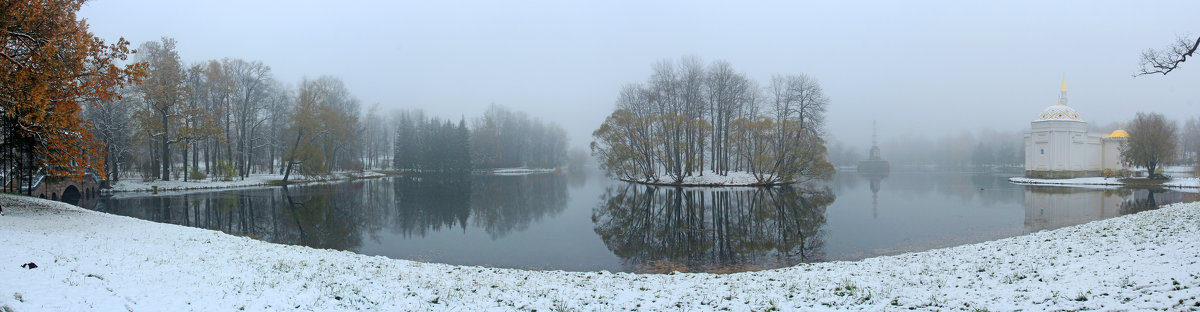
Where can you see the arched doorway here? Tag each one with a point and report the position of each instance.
(71, 195)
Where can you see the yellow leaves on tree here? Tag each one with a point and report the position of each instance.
(51, 64)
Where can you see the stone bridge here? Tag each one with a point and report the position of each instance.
(68, 190)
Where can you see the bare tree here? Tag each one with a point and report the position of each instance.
(377, 137)
(1166, 60)
(164, 92)
(1151, 142)
(1191, 140)
(281, 100)
(113, 124)
(686, 112)
(218, 97)
(251, 81)
(729, 93)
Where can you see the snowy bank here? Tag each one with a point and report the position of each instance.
(251, 180)
(518, 171)
(1174, 182)
(710, 178)
(94, 261)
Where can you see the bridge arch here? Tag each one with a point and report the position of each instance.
(68, 190)
(71, 195)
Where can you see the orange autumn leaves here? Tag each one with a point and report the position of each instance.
(50, 65)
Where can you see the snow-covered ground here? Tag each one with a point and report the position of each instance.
(1174, 182)
(1177, 169)
(252, 180)
(91, 261)
(519, 171)
(709, 178)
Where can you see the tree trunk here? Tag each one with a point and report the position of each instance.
(185, 162)
(196, 158)
(271, 156)
(292, 157)
(166, 152)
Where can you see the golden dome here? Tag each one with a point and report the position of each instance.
(1119, 134)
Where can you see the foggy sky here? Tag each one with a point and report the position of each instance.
(921, 69)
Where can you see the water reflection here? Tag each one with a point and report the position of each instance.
(656, 229)
(502, 204)
(1049, 207)
(320, 219)
(875, 179)
(429, 203)
(340, 215)
(582, 222)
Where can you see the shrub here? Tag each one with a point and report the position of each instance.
(225, 170)
(195, 174)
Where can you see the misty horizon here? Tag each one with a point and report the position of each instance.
(925, 70)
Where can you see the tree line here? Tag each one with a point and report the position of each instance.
(69, 108)
(431, 144)
(227, 117)
(500, 138)
(689, 119)
(960, 150)
(231, 118)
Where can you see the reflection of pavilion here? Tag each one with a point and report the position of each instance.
(1049, 207)
(876, 179)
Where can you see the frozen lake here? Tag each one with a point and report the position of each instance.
(588, 222)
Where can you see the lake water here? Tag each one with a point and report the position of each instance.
(586, 222)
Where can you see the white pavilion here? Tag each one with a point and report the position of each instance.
(1059, 145)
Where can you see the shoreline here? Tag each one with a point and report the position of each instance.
(271, 179)
(1185, 184)
(705, 185)
(711, 179)
(89, 261)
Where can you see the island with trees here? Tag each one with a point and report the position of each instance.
(695, 125)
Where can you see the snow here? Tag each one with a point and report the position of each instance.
(1177, 169)
(251, 180)
(519, 171)
(94, 261)
(1174, 182)
(1074, 181)
(708, 178)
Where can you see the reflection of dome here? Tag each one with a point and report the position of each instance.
(1059, 112)
(1119, 134)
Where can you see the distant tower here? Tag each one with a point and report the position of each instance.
(874, 154)
(874, 162)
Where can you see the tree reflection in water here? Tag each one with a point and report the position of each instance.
(427, 203)
(1150, 199)
(323, 221)
(502, 204)
(497, 204)
(663, 229)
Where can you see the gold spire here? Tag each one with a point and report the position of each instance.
(1062, 96)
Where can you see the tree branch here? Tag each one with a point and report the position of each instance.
(1168, 60)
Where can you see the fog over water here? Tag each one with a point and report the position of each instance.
(923, 69)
